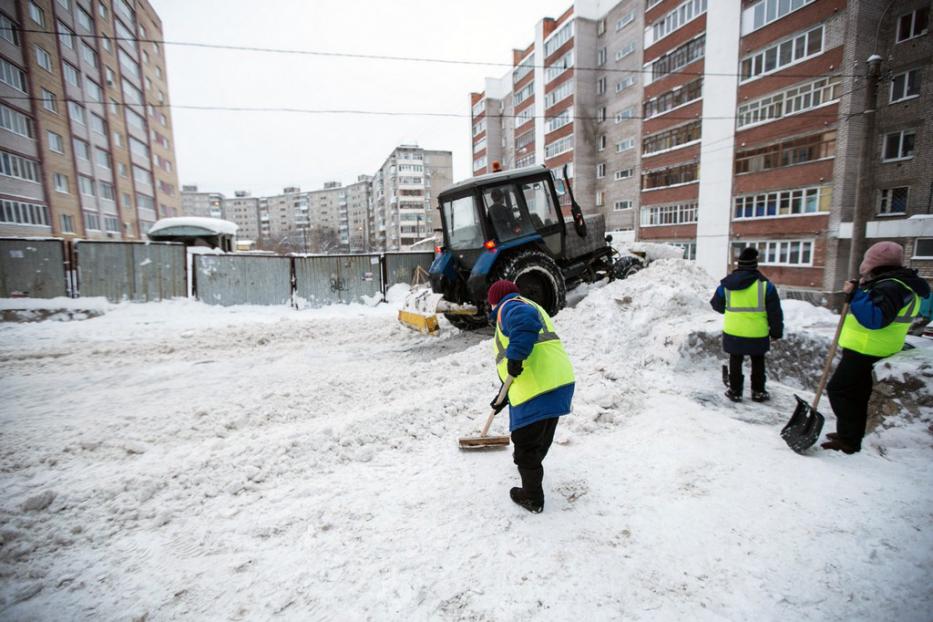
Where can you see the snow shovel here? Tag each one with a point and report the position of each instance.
(488, 442)
(806, 424)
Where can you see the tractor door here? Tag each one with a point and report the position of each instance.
(544, 214)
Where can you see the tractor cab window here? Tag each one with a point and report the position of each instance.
(540, 206)
(506, 216)
(464, 230)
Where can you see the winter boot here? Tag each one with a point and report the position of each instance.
(736, 382)
(760, 396)
(837, 444)
(530, 496)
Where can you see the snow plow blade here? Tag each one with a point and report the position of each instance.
(422, 306)
(804, 427)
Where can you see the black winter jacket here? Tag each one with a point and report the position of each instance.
(754, 346)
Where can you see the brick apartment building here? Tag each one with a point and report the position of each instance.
(750, 138)
(86, 146)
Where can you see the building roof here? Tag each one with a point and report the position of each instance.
(193, 225)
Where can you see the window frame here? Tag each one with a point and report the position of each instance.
(900, 148)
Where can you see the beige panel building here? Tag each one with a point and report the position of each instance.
(86, 142)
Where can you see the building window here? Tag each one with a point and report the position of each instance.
(672, 138)
(106, 190)
(913, 24)
(899, 145)
(923, 248)
(792, 101)
(905, 85)
(600, 170)
(601, 57)
(625, 145)
(564, 90)
(82, 151)
(11, 75)
(624, 174)
(98, 125)
(55, 142)
(106, 44)
(798, 202)
(66, 36)
(686, 12)
(76, 112)
(622, 115)
(674, 98)
(85, 20)
(88, 54)
(18, 167)
(673, 176)
(36, 14)
(8, 30)
(678, 58)
(21, 213)
(68, 224)
(624, 21)
(91, 221)
(559, 146)
(601, 27)
(787, 52)
(601, 144)
(61, 183)
(675, 214)
(102, 10)
(86, 185)
(16, 122)
(559, 66)
(522, 94)
(523, 69)
(787, 153)
(601, 114)
(619, 206)
(72, 75)
(893, 200)
(111, 224)
(48, 101)
(102, 158)
(601, 86)
(621, 85)
(767, 11)
(627, 49)
(600, 198)
(778, 252)
(558, 39)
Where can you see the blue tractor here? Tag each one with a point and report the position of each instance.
(509, 225)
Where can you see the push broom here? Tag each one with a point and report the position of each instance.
(489, 442)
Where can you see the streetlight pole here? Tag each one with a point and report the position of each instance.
(865, 190)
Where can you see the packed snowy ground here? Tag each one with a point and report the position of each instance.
(176, 460)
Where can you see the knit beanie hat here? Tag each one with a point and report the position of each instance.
(748, 259)
(882, 254)
(500, 289)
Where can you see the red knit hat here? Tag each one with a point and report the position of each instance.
(882, 254)
(500, 289)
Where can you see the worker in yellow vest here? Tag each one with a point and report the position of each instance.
(884, 302)
(753, 318)
(528, 349)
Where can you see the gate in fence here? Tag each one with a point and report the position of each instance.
(135, 271)
(331, 279)
(243, 279)
(34, 268)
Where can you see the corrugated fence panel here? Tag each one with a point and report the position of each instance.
(337, 279)
(400, 267)
(237, 280)
(33, 268)
(137, 271)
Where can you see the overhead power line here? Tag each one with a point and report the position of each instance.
(389, 57)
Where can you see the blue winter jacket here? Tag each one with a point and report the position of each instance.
(750, 346)
(877, 302)
(521, 324)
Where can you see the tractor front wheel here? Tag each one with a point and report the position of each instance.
(537, 276)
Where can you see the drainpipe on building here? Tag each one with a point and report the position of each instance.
(864, 197)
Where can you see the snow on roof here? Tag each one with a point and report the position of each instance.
(214, 225)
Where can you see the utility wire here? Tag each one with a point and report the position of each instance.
(386, 57)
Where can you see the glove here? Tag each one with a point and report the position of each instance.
(515, 368)
(850, 295)
(498, 407)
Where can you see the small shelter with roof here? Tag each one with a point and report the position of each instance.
(196, 231)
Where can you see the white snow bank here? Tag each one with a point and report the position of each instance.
(61, 302)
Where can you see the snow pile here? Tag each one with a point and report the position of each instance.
(180, 460)
(59, 309)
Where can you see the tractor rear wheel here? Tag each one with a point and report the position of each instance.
(537, 276)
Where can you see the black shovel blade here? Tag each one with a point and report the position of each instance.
(804, 427)
(725, 376)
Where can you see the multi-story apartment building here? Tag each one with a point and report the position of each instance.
(243, 210)
(755, 140)
(402, 193)
(355, 203)
(86, 144)
(201, 204)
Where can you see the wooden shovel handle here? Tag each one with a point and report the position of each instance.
(503, 392)
(829, 358)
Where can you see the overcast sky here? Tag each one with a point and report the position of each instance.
(265, 151)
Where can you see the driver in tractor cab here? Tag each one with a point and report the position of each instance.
(501, 216)
(528, 350)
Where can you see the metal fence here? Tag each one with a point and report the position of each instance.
(330, 279)
(401, 267)
(135, 271)
(33, 267)
(243, 279)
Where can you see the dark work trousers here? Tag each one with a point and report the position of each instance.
(531, 446)
(849, 391)
(735, 372)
